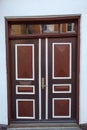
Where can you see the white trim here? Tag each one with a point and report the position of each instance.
(70, 60)
(16, 64)
(70, 63)
(39, 68)
(53, 91)
(16, 68)
(20, 117)
(46, 116)
(26, 86)
(69, 116)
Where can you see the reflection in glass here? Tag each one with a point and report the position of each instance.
(34, 29)
(50, 28)
(25, 29)
(67, 27)
(70, 27)
(42, 28)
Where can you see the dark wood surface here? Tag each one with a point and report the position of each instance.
(40, 20)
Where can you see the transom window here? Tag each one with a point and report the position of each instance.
(18, 29)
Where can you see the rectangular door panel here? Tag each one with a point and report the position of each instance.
(61, 108)
(25, 89)
(25, 108)
(24, 59)
(61, 88)
(61, 60)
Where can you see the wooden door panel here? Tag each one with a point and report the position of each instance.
(25, 89)
(61, 107)
(25, 109)
(61, 60)
(24, 61)
(24, 66)
(62, 78)
(61, 88)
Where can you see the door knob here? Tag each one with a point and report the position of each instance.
(43, 83)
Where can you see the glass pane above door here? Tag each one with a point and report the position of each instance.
(20, 29)
(67, 27)
(25, 29)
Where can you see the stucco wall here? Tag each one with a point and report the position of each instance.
(39, 8)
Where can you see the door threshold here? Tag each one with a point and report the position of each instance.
(42, 125)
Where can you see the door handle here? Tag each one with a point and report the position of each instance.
(43, 83)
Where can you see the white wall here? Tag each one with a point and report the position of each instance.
(83, 70)
(36, 8)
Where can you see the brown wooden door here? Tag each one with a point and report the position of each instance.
(61, 79)
(44, 79)
(24, 69)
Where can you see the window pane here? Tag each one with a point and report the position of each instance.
(50, 28)
(67, 28)
(25, 29)
(34, 29)
(20, 29)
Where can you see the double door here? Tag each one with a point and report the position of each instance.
(43, 75)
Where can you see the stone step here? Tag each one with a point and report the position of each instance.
(45, 128)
